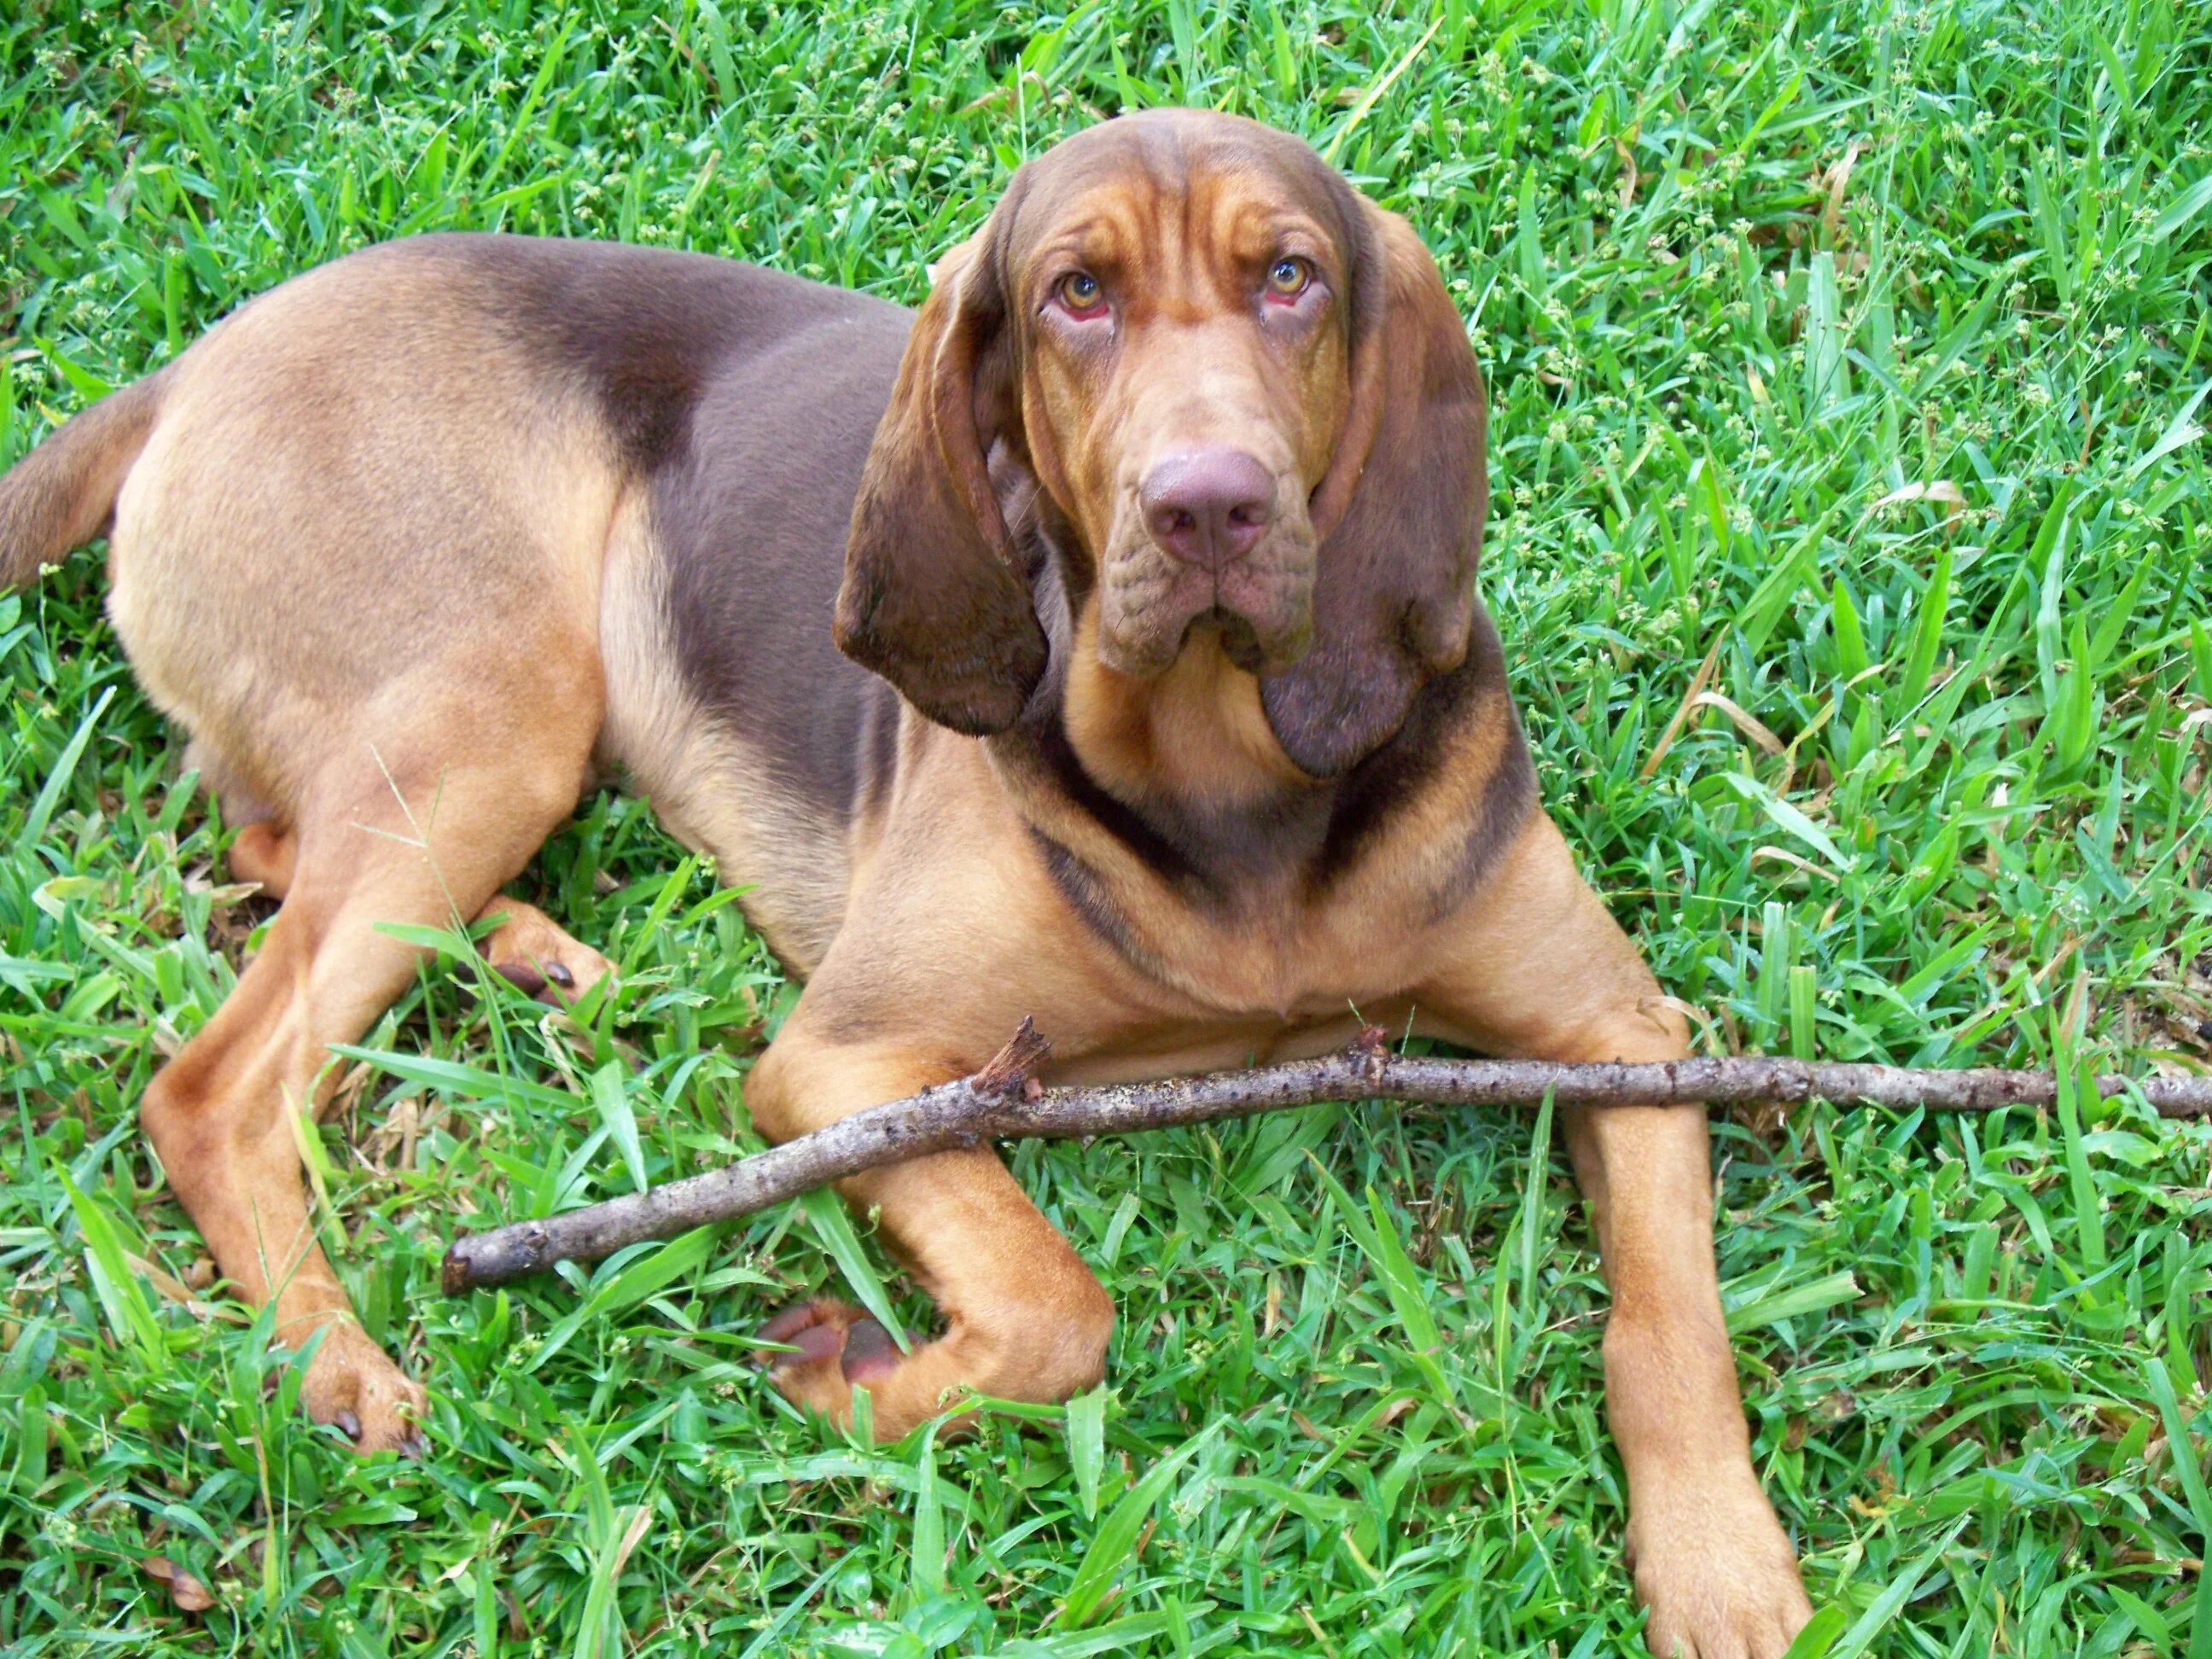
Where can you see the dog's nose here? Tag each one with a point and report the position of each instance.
(1207, 505)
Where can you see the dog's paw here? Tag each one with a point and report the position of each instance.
(353, 1385)
(837, 1346)
(530, 951)
(1717, 1574)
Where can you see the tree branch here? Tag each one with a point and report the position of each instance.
(1003, 1101)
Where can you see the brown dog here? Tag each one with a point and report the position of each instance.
(1189, 734)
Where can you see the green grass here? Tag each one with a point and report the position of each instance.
(1860, 350)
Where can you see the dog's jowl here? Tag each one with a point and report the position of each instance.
(1108, 629)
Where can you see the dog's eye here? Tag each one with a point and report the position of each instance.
(1287, 278)
(1079, 292)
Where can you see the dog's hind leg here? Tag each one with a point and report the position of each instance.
(419, 837)
(527, 947)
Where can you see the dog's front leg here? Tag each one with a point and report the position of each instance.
(1538, 969)
(1024, 1319)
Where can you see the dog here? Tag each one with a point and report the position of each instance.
(1100, 643)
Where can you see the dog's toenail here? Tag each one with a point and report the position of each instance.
(348, 1425)
(559, 974)
(414, 1445)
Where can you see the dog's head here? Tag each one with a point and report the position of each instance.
(1242, 399)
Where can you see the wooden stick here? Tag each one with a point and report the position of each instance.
(1003, 1101)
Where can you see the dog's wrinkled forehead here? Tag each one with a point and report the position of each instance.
(1155, 165)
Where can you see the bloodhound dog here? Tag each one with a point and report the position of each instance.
(1100, 644)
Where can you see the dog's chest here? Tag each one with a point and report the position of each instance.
(1280, 958)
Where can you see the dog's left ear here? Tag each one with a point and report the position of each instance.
(1398, 514)
(935, 599)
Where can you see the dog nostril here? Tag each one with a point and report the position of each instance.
(1208, 506)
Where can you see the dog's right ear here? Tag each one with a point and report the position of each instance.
(935, 598)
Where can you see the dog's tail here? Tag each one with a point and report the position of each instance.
(62, 495)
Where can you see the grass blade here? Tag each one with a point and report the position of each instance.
(1113, 1545)
(611, 1097)
(116, 1287)
(631, 1285)
(42, 809)
(833, 1228)
(1086, 1446)
(1886, 1606)
(926, 1574)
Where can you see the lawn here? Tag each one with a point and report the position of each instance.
(1853, 549)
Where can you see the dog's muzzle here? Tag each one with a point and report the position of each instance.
(1207, 540)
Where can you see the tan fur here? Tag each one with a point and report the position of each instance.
(1196, 732)
(358, 541)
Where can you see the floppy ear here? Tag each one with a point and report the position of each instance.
(1398, 514)
(934, 598)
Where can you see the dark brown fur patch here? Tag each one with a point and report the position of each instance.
(744, 401)
(646, 331)
(750, 515)
(1470, 697)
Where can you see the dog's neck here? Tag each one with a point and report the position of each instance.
(1181, 776)
(1195, 734)
(1194, 739)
